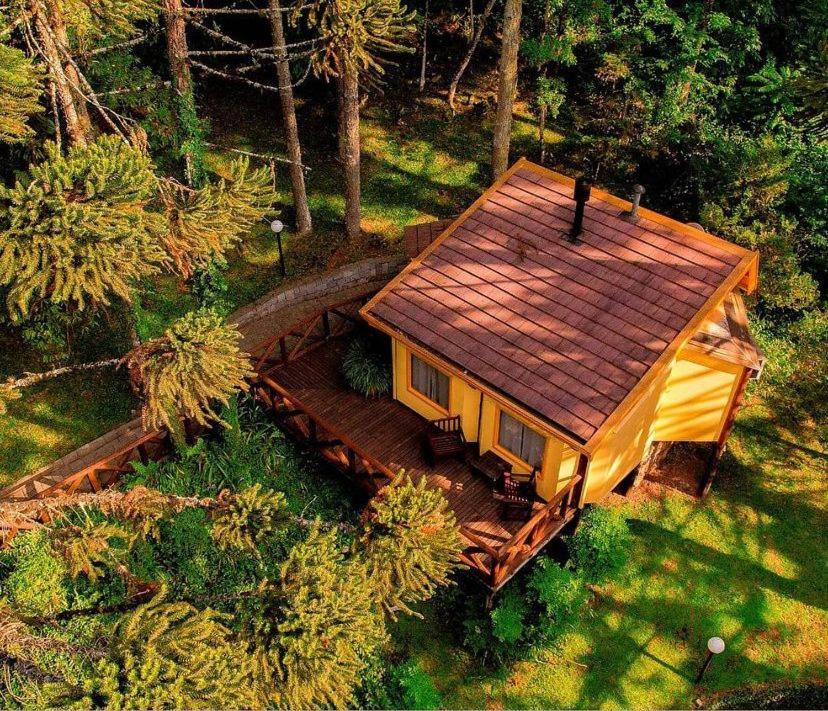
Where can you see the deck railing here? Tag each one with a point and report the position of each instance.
(499, 564)
(308, 334)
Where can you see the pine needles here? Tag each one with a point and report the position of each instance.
(194, 365)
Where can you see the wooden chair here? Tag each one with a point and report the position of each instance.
(444, 438)
(518, 497)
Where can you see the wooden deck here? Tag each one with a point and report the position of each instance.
(372, 438)
(392, 433)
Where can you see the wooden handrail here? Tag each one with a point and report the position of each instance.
(347, 441)
(266, 346)
(526, 529)
(479, 542)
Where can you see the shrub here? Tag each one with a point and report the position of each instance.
(416, 687)
(36, 583)
(366, 366)
(601, 543)
(508, 617)
(558, 591)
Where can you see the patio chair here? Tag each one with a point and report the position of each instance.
(444, 438)
(518, 497)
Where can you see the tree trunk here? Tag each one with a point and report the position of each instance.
(182, 79)
(350, 149)
(542, 132)
(294, 149)
(425, 50)
(30, 379)
(507, 85)
(182, 82)
(51, 33)
(478, 33)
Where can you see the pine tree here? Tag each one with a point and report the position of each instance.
(87, 548)
(166, 655)
(412, 542)
(87, 225)
(185, 372)
(205, 224)
(20, 89)
(354, 34)
(249, 517)
(77, 229)
(315, 627)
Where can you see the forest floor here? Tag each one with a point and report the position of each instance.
(746, 564)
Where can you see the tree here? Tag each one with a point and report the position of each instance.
(506, 86)
(20, 89)
(464, 63)
(314, 628)
(179, 376)
(196, 363)
(165, 655)
(76, 229)
(294, 149)
(411, 541)
(353, 36)
(85, 226)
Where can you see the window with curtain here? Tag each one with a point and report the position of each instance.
(429, 381)
(520, 440)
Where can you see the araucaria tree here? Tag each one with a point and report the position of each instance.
(195, 364)
(76, 230)
(84, 226)
(354, 36)
(20, 89)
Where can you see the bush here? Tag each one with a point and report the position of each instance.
(416, 688)
(558, 591)
(366, 365)
(601, 544)
(36, 583)
(508, 617)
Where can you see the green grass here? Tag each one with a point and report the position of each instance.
(747, 564)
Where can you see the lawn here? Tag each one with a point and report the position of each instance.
(747, 564)
(422, 167)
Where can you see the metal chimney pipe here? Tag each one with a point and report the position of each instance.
(582, 191)
(638, 191)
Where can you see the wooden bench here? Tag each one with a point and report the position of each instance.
(444, 438)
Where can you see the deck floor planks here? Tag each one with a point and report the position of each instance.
(391, 433)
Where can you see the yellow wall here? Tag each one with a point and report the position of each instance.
(696, 399)
(464, 400)
(688, 402)
(623, 447)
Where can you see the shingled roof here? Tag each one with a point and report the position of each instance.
(567, 331)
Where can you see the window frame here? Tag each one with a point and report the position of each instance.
(499, 412)
(417, 393)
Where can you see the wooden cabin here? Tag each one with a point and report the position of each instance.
(545, 338)
(568, 343)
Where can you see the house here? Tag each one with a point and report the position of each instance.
(569, 330)
(560, 329)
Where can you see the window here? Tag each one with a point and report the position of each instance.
(429, 381)
(517, 438)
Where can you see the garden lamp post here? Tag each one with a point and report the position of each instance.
(715, 645)
(277, 228)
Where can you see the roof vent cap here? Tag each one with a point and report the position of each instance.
(638, 191)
